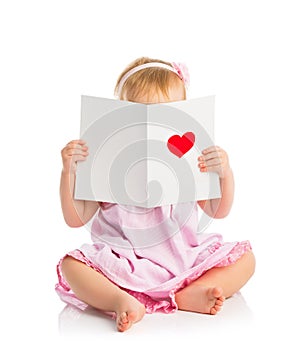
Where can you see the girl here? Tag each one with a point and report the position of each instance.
(187, 271)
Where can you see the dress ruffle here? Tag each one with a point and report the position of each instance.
(154, 300)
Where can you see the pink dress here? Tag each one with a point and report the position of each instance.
(150, 253)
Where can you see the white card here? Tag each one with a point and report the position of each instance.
(145, 155)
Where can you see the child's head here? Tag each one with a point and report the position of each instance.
(149, 80)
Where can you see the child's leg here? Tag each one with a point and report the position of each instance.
(96, 290)
(207, 293)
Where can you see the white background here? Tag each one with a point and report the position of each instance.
(54, 51)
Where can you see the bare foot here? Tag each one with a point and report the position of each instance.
(129, 311)
(202, 299)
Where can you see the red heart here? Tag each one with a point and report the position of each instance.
(180, 145)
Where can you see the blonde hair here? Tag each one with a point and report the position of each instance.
(147, 81)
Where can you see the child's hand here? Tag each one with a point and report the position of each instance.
(214, 159)
(74, 151)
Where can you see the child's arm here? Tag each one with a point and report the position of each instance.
(75, 212)
(216, 159)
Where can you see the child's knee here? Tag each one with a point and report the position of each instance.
(67, 265)
(251, 262)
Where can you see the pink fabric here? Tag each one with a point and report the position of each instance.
(151, 253)
(183, 72)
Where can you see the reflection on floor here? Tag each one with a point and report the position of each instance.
(235, 314)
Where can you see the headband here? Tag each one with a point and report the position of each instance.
(180, 69)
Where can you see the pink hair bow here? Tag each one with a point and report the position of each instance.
(182, 71)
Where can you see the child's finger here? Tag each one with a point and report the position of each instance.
(210, 149)
(78, 158)
(77, 151)
(74, 146)
(214, 169)
(210, 162)
(81, 142)
(78, 143)
(211, 155)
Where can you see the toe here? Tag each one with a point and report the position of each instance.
(213, 311)
(122, 322)
(217, 292)
(123, 327)
(219, 302)
(124, 318)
